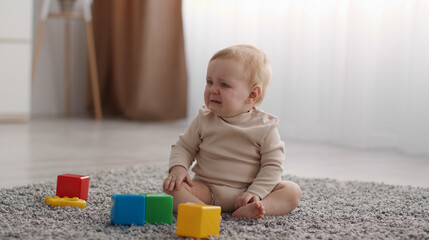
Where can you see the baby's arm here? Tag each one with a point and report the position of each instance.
(177, 175)
(272, 157)
(181, 157)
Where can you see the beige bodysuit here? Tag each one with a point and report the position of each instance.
(233, 155)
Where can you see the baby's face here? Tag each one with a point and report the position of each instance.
(227, 88)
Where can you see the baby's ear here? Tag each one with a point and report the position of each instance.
(254, 95)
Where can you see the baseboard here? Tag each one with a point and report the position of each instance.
(14, 118)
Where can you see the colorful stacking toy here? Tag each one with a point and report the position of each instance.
(56, 201)
(128, 209)
(71, 185)
(144, 208)
(159, 208)
(72, 190)
(193, 220)
(198, 220)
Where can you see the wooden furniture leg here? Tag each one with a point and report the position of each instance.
(67, 67)
(67, 61)
(93, 67)
(92, 59)
(36, 50)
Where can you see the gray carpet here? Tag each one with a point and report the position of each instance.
(329, 210)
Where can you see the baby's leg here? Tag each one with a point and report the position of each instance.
(284, 198)
(199, 193)
(253, 210)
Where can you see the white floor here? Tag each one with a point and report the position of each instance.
(43, 148)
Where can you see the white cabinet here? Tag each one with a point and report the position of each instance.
(16, 24)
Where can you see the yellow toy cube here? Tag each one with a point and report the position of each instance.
(198, 220)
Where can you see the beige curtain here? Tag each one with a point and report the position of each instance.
(140, 58)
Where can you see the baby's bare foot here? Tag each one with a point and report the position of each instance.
(254, 210)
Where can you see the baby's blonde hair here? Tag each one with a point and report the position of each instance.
(255, 63)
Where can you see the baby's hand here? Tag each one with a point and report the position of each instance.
(177, 175)
(246, 198)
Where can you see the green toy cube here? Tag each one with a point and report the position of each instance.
(159, 208)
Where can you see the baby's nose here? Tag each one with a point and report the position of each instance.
(214, 90)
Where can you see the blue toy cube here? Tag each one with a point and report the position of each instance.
(159, 208)
(128, 209)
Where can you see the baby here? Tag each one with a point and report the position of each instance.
(238, 151)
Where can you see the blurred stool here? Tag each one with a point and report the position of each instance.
(67, 13)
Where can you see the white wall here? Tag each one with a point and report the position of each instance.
(48, 90)
(15, 54)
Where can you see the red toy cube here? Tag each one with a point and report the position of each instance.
(70, 185)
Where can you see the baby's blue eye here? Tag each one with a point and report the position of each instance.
(225, 85)
(209, 82)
